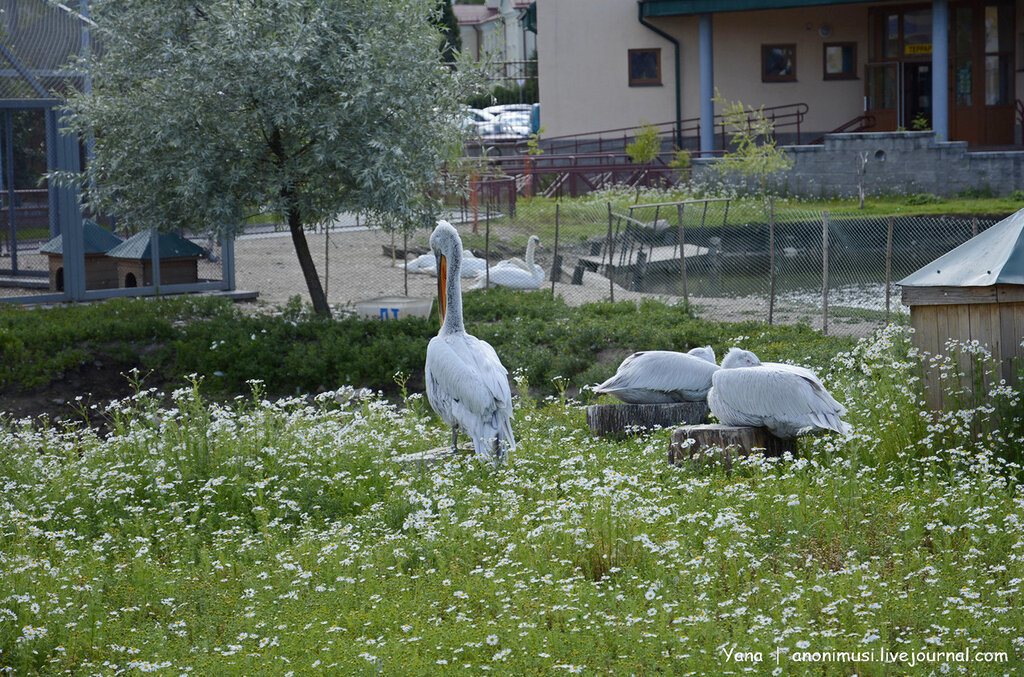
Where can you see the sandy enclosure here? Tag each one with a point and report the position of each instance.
(353, 267)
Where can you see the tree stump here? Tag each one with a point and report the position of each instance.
(723, 442)
(626, 419)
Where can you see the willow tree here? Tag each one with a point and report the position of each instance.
(204, 112)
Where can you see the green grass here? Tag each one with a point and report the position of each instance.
(282, 537)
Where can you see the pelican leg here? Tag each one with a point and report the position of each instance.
(455, 439)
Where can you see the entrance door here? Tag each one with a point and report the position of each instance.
(884, 94)
(917, 95)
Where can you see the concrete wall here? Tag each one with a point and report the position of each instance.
(899, 163)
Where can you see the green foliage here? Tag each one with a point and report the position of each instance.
(451, 38)
(754, 152)
(500, 94)
(1017, 196)
(533, 143)
(920, 123)
(294, 351)
(681, 159)
(923, 199)
(645, 146)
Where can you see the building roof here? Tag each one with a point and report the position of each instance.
(172, 246)
(98, 240)
(473, 15)
(995, 256)
(649, 8)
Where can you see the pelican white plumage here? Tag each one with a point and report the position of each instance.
(786, 399)
(662, 377)
(465, 381)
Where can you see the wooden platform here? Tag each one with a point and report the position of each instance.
(654, 255)
(709, 442)
(618, 420)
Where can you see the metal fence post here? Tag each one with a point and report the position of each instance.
(611, 276)
(771, 261)
(487, 246)
(154, 251)
(227, 262)
(682, 251)
(556, 261)
(824, 273)
(888, 269)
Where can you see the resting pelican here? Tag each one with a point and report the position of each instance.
(662, 376)
(466, 383)
(786, 399)
(426, 264)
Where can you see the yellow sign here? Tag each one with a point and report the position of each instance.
(925, 48)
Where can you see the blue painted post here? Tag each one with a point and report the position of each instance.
(940, 69)
(51, 165)
(70, 215)
(707, 87)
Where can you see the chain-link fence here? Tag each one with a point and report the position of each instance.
(730, 259)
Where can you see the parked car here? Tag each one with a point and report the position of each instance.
(500, 109)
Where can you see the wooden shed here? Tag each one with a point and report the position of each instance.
(100, 271)
(974, 292)
(179, 260)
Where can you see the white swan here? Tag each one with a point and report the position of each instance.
(528, 265)
(786, 399)
(425, 264)
(465, 381)
(514, 272)
(662, 376)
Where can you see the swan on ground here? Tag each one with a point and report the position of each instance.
(514, 272)
(465, 381)
(786, 399)
(528, 265)
(662, 376)
(425, 264)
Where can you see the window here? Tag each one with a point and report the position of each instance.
(644, 67)
(778, 63)
(840, 61)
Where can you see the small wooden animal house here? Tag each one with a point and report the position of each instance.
(179, 260)
(100, 271)
(974, 292)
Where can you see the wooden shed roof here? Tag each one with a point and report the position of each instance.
(172, 246)
(97, 240)
(993, 257)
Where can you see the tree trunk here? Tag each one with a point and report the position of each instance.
(316, 290)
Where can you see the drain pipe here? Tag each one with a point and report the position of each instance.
(675, 45)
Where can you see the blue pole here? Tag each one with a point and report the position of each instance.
(707, 87)
(940, 69)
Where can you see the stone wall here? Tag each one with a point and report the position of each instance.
(898, 163)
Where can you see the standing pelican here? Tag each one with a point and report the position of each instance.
(784, 398)
(466, 383)
(662, 376)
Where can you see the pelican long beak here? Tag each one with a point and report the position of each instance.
(442, 284)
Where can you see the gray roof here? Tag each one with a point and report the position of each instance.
(172, 246)
(995, 256)
(97, 240)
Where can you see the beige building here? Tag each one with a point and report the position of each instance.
(609, 64)
(496, 30)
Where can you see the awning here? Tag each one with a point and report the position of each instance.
(649, 8)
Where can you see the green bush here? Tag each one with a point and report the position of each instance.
(292, 351)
